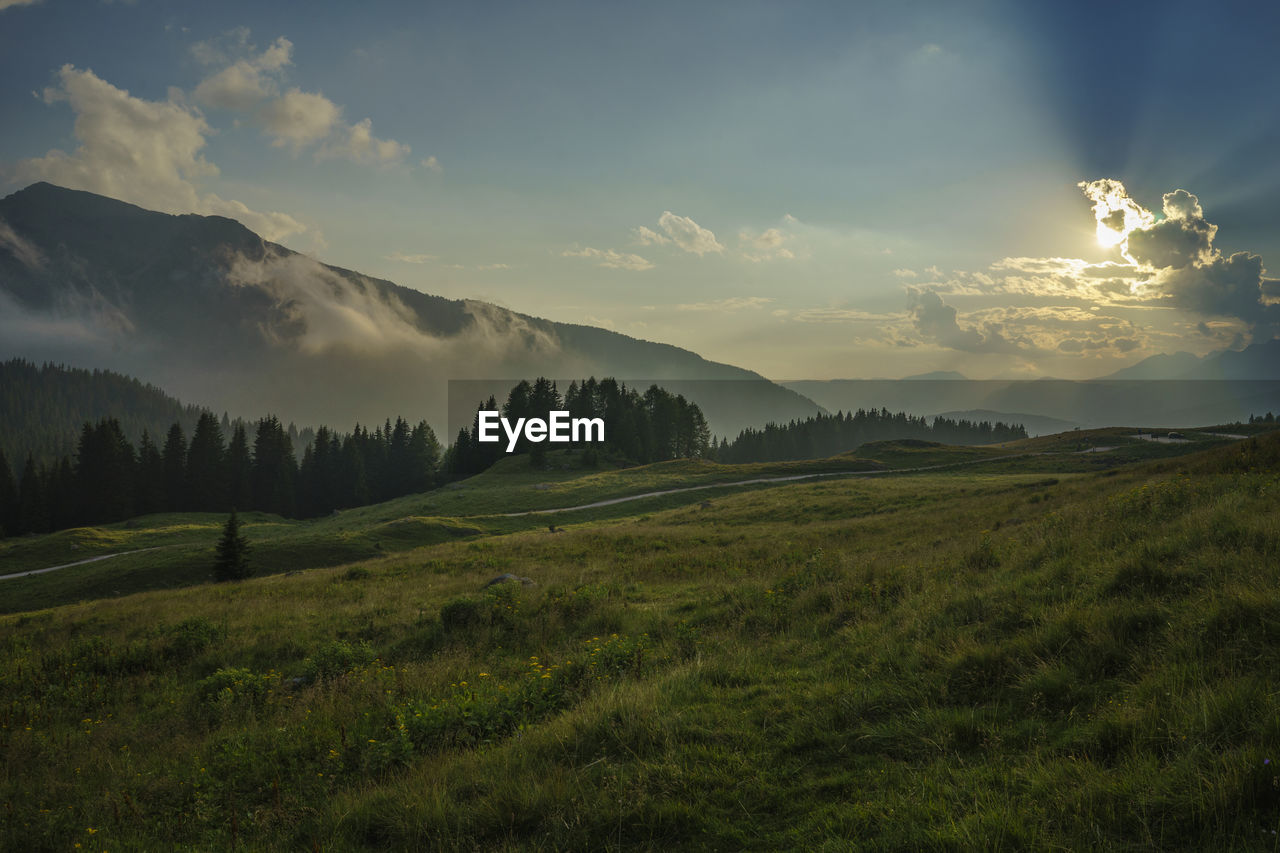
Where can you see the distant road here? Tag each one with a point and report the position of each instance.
(788, 479)
(792, 478)
(76, 563)
(612, 501)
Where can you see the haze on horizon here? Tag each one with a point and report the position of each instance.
(808, 190)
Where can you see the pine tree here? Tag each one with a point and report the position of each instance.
(239, 473)
(231, 562)
(206, 480)
(150, 494)
(8, 499)
(175, 470)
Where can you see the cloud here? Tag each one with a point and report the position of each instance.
(410, 259)
(322, 310)
(1183, 238)
(27, 254)
(358, 144)
(431, 164)
(648, 237)
(842, 315)
(247, 81)
(298, 119)
(688, 235)
(493, 267)
(251, 84)
(610, 258)
(1115, 212)
(936, 321)
(905, 273)
(144, 152)
(768, 245)
(6, 4)
(732, 303)
(1183, 268)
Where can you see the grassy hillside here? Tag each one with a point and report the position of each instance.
(176, 550)
(985, 660)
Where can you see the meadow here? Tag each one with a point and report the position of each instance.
(1057, 651)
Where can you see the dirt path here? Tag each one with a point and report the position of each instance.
(76, 563)
(757, 480)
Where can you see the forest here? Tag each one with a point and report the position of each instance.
(237, 465)
(110, 480)
(826, 435)
(651, 427)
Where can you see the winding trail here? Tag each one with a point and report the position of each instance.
(76, 563)
(787, 479)
(660, 493)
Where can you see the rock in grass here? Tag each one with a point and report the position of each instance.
(507, 577)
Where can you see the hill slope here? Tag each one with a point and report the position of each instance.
(43, 408)
(1081, 663)
(205, 308)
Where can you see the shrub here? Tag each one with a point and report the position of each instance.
(461, 612)
(338, 658)
(187, 639)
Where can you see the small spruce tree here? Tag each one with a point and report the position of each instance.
(232, 560)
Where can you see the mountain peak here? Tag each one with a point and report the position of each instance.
(206, 307)
(1256, 361)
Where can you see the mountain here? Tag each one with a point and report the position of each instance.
(937, 375)
(208, 310)
(1091, 403)
(42, 409)
(1259, 361)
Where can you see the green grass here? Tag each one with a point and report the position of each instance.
(957, 660)
(176, 550)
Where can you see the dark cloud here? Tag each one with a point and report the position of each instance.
(1190, 272)
(1183, 238)
(936, 321)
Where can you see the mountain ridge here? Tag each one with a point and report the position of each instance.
(1258, 361)
(207, 309)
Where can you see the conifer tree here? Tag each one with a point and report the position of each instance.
(175, 470)
(8, 499)
(231, 560)
(33, 511)
(239, 473)
(150, 493)
(206, 467)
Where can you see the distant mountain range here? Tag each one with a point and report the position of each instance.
(1037, 404)
(1180, 389)
(1259, 361)
(209, 311)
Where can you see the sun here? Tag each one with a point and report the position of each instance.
(1109, 237)
(1116, 212)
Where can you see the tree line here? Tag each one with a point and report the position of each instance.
(821, 435)
(651, 427)
(109, 479)
(42, 408)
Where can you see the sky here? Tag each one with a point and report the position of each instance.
(808, 190)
